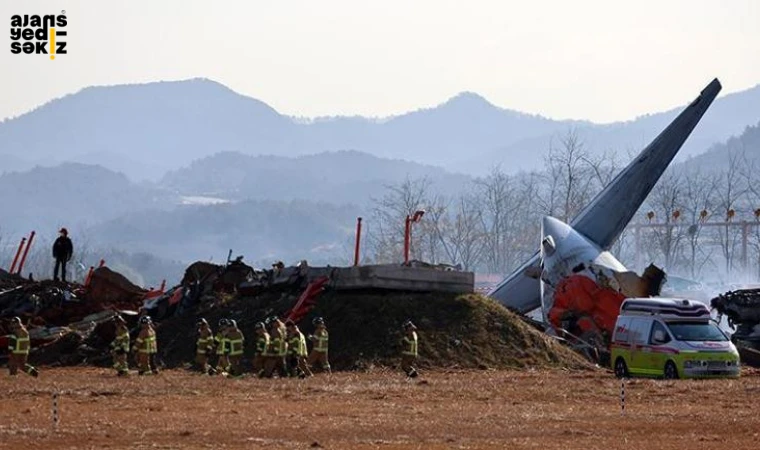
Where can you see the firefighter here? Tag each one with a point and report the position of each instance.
(319, 341)
(297, 352)
(222, 362)
(236, 342)
(153, 350)
(204, 346)
(276, 322)
(18, 349)
(120, 346)
(262, 345)
(278, 348)
(409, 349)
(145, 346)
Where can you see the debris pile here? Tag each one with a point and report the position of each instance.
(60, 315)
(70, 324)
(742, 309)
(456, 331)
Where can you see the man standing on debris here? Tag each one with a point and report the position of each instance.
(236, 342)
(63, 249)
(146, 345)
(262, 344)
(18, 349)
(204, 346)
(409, 349)
(120, 347)
(278, 348)
(222, 362)
(297, 352)
(319, 345)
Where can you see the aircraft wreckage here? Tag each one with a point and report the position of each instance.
(576, 283)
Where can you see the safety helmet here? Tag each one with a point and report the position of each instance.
(259, 326)
(318, 321)
(409, 324)
(119, 318)
(273, 319)
(16, 321)
(201, 322)
(290, 324)
(223, 323)
(232, 323)
(145, 320)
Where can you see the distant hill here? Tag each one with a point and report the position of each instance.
(144, 130)
(335, 177)
(263, 231)
(716, 158)
(727, 117)
(71, 194)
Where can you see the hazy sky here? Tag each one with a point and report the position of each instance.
(600, 60)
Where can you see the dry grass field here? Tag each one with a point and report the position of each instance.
(382, 409)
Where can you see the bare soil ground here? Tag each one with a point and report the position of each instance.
(381, 409)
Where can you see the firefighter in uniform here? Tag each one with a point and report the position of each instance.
(222, 361)
(236, 342)
(145, 346)
(153, 350)
(120, 347)
(297, 352)
(409, 349)
(319, 341)
(18, 349)
(262, 344)
(203, 346)
(278, 348)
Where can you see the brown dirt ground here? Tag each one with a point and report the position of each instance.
(379, 409)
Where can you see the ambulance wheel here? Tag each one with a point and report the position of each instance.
(671, 372)
(621, 369)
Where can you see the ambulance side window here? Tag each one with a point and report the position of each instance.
(640, 330)
(659, 334)
(623, 330)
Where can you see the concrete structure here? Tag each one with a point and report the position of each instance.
(401, 278)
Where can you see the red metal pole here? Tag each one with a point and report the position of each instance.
(358, 240)
(26, 252)
(407, 232)
(89, 277)
(163, 286)
(18, 253)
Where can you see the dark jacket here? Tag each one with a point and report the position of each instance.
(63, 248)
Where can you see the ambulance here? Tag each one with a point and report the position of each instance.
(670, 338)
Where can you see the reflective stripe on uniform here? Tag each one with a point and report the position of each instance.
(410, 345)
(221, 342)
(22, 346)
(122, 341)
(302, 350)
(322, 341)
(262, 343)
(236, 346)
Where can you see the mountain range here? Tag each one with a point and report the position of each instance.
(146, 130)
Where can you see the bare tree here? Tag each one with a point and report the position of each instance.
(665, 200)
(729, 190)
(385, 233)
(461, 234)
(698, 195)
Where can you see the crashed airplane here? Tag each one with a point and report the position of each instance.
(600, 223)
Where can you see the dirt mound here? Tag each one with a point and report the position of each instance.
(469, 331)
(111, 287)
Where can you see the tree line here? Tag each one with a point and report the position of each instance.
(696, 222)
